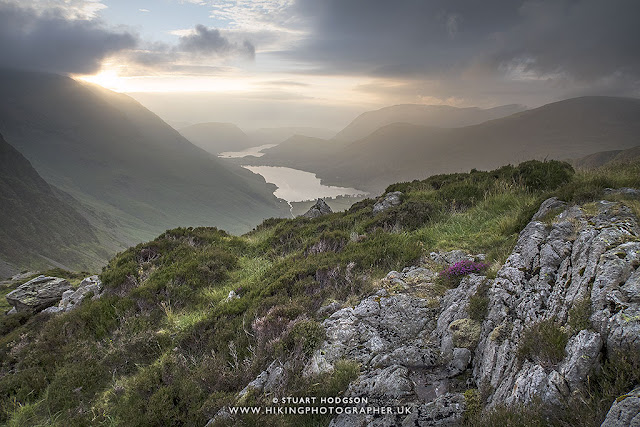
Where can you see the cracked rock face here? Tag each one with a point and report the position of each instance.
(625, 412)
(566, 256)
(38, 294)
(382, 330)
(391, 337)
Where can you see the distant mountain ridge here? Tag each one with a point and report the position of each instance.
(422, 115)
(137, 174)
(402, 152)
(277, 135)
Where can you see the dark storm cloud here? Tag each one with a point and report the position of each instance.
(208, 41)
(50, 42)
(587, 39)
(402, 37)
(582, 40)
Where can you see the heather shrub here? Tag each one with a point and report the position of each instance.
(461, 195)
(454, 274)
(10, 322)
(305, 337)
(547, 175)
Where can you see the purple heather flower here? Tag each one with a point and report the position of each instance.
(462, 268)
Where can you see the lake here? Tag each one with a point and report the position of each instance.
(296, 186)
(252, 151)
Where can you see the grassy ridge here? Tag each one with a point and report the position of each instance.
(164, 346)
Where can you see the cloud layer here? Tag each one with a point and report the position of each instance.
(567, 43)
(208, 41)
(479, 52)
(50, 41)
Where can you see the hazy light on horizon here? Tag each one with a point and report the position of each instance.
(360, 54)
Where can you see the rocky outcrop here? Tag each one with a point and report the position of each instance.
(567, 297)
(320, 208)
(382, 331)
(625, 411)
(574, 271)
(390, 200)
(90, 286)
(38, 294)
(625, 191)
(391, 335)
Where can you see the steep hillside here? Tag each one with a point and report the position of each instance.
(217, 137)
(604, 157)
(351, 304)
(423, 115)
(38, 229)
(133, 170)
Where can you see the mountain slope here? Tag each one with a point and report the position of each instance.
(423, 115)
(314, 312)
(37, 229)
(134, 171)
(561, 130)
(217, 137)
(604, 157)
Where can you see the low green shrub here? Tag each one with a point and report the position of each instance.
(543, 343)
(520, 415)
(580, 314)
(478, 306)
(544, 176)
(303, 339)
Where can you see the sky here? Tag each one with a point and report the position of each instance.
(319, 63)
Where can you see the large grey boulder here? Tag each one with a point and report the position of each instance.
(73, 297)
(390, 335)
(38, 294)
(390, 200)
(320, 208)
(625, 411)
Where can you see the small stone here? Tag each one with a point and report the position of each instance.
(319, 209)
(232, 295)
(390, 200)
